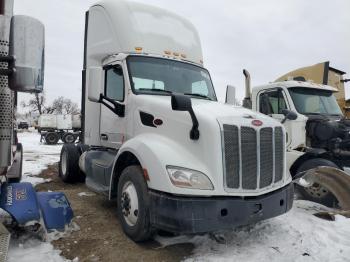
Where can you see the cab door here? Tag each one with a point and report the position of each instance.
(272, 102)
(112, 126)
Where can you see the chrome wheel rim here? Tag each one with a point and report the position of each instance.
(130, 204)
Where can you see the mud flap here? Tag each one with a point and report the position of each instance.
(25, 205)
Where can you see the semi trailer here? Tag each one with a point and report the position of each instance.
(155, 138)
(55, 127)
(319, 134)
(21, 70)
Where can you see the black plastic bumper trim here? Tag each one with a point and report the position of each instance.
(190, 215)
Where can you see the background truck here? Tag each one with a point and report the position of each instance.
(323, 74)
(55, 127)
(156, 139)
(319, 135)
(21, 70)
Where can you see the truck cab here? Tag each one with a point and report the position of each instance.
(156, 139)
(319, 134)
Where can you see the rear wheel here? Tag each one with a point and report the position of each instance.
(133, 204)
(69, 170)
(52, 138)
(68, 138)
(317, 193)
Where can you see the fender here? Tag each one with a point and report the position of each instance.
(168, 152)
(300, 157)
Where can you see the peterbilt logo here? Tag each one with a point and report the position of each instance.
(257, 122)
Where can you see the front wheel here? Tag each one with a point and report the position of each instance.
(133, 204)
(69, 170)
(317, 193)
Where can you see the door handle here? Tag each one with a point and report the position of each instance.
(104, 137)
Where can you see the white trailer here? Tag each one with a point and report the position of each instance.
(156, 139)
(55, 127)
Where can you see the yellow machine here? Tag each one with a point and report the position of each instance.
(323, 74)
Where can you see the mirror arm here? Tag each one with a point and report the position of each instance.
(194, 133)
(117, 108)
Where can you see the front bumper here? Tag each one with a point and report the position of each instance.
(189, 215)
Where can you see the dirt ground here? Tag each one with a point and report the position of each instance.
(100, 237)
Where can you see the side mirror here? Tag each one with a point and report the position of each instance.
(289, 115)
(181, 103)
(94, 82)
(27, 54)
(231, 95)
(184, 103)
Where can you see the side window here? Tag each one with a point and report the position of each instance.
(272, 102)
(200, 87)
(114, 88)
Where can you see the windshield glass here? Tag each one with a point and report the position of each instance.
(310, 101)
(163, 76)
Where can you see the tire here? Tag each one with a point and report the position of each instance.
(68, 138)
(69, 170)
(132, 187)
(317, 193)
(52, 138)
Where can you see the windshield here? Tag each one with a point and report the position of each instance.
(163, 76)
(310, 101)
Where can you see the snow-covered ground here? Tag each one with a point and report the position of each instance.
(295, 236)
(37, 157)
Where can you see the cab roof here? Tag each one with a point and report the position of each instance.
(292, 83)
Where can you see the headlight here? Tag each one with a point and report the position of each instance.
(187, 178)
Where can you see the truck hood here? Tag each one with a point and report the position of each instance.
(205, 110)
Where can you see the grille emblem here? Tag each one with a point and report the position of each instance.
(257, 122)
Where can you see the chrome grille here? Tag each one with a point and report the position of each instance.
(279, 150)
(232, 163)
(249, 158)
(253, 158)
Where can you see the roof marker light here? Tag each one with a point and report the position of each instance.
(138, 49)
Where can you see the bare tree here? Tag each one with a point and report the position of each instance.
(60, 105)
(63, 105)
(36, 103)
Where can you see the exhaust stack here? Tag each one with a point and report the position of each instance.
(247, 102)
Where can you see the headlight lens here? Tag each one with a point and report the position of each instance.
(187, 178)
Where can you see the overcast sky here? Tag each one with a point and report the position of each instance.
(269, 38)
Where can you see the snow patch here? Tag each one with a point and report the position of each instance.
(87, 194)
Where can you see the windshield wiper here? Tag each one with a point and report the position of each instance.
(198, 95)
(155, 90)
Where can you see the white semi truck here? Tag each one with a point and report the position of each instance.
(319, 135)
(155, 137)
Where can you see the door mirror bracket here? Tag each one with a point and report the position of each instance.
(184, 103)
(289, 115)
(117, 108)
